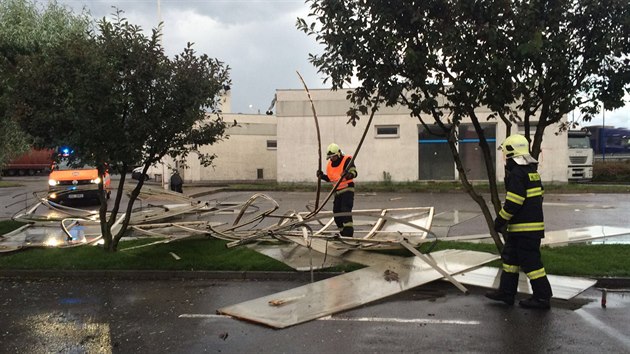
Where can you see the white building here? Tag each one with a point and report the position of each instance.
(397, 147)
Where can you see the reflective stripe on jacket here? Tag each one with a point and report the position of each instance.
(523, 208)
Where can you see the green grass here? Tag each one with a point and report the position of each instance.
(211, 255)
(195, 254)
(573, 260)
(6, 184)
(423, 187)
(9, 225)
(588, 260)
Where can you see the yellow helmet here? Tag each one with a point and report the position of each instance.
(515, 145)
(333, 149)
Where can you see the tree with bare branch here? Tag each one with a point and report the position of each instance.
(529, 62)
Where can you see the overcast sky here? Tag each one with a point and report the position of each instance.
(256, 38)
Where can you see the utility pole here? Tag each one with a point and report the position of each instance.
(603, 135)
(165, 177)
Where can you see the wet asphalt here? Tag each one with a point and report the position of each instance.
(87, 314)
(179, 316)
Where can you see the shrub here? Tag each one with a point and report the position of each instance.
(611, 171)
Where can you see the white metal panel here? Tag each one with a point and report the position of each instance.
(563, 287)
(297, 257)
(352, 289)
(561, 237)
(582, 234)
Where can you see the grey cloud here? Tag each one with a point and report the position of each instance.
(257, 39)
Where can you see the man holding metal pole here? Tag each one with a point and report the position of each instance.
(340, 171)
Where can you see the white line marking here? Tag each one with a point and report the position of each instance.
(590, 206)
(357, 319)
(402, 320)
(609, 331)
(201, 315)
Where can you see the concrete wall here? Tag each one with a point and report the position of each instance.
(239, 157)
(553, 159)
(244, 152)
(296, 157)
(398, 156)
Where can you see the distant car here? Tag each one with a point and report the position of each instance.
(137, 174)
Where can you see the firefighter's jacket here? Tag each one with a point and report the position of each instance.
(523, 209)
(334, 171)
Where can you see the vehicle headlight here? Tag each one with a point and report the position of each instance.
(96, 180)
(52, 182)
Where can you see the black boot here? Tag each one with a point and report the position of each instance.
(498, 295)
(534, 303)
(541, 294)
(507, 288)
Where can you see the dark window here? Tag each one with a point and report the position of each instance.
(387, 131)
(259, 173)
(272, 144)
(436, 161)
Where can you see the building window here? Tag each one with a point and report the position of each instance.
(387, 131)
(259, 173)
(272, 144)
(532, 129)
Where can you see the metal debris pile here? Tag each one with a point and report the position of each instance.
(305, 241)
(168, 215)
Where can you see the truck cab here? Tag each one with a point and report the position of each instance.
(580, 156)
(75, 181)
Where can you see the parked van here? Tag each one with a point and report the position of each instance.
(75, 182)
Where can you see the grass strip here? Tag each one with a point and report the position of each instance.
(426, 187)
(211, 255)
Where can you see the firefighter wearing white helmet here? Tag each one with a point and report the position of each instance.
(521, 222)
(516, 147)
(341, 168)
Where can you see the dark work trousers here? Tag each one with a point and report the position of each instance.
(343, 203)
(523, 249)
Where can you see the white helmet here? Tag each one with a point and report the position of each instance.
(516, 147)
(333, 149)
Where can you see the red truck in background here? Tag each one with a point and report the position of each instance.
(33, 162)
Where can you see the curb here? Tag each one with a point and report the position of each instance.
(612, 283)
(601, 282)
(164, 274)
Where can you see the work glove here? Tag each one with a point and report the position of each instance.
(320, 174)
(348, 175)
(500, 224)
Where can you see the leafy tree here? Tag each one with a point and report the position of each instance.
(25, 29)
(118, 100)
(527, 61)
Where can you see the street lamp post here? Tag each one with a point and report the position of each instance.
(603, 135)
(164, 167)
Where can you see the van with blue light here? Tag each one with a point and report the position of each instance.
(72, 180)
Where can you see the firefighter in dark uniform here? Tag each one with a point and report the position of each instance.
(344, 194)
(521, 222)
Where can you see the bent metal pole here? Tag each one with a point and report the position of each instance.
(319, 141)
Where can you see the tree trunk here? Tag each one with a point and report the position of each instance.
(468, 187)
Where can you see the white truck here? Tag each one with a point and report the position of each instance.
(580, 156)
